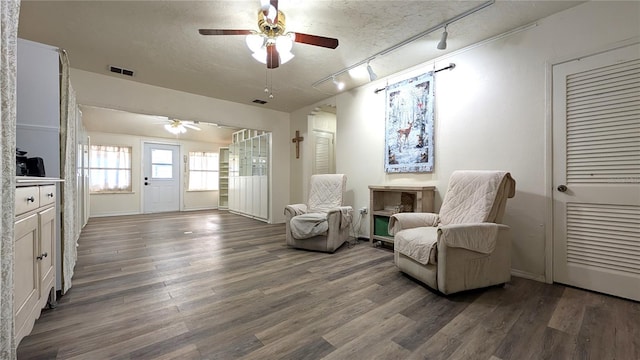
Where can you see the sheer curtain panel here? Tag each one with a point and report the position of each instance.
(68, 159)
(9, 12)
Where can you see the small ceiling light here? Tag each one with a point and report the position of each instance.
(372, 75)
(443, 41)
(258, 45)
(339, 84)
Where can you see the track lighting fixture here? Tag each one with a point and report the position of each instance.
(443, 41)
(339, 84)
(372, 75)
(441, 45)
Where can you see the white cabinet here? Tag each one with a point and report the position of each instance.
(34, 252)
(249, 159)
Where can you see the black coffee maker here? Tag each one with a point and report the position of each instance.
(21, 163)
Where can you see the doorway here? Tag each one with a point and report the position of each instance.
(161, 178)
(596, 172)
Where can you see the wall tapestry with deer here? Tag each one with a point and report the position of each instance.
(409, 125)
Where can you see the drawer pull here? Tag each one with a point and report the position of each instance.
(42, 256)
(50, 195)
(31, 199)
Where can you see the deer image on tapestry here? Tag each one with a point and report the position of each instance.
(409, 125)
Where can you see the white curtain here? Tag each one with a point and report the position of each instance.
(9, 11)
(68, 160)
(110, 168)
(203, 170)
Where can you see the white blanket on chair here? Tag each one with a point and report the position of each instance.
(309, 225)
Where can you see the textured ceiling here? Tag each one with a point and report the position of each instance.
(122, 122)
(159, 40)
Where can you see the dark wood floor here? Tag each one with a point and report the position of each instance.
(212, 285)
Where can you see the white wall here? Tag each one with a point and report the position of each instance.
(491, 113)
(114, 93)
(130, 203)
(38, 103)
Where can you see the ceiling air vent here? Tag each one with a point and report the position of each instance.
(258, 101)
(119, 70)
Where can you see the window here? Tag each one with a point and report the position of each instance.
(110, 169)
(161, 164)
(203, 171)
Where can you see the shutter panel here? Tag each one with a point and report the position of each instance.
(603, 124)
(322, 161)
(604, 236)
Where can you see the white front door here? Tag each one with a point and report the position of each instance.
(161, 178)
(596, 172)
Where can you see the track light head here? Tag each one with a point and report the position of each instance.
(372, 75)
(339, 84)
(443, 40)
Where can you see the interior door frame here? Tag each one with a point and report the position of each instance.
(181, 171)
(549, 185)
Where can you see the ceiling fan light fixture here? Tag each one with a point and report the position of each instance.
(255, 42)
(264, 5)
(284, 44)
(260, 55)
(175, 129)
(442, 45)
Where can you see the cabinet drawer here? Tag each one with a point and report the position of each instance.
(47, 195)
(27, 199)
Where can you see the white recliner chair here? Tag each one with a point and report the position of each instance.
(323, 223)
(464, 246)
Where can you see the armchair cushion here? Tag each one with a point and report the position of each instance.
(305, 226)
(420, 244)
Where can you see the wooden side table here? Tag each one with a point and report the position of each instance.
(386, 200)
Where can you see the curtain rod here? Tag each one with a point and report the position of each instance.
(407, 41)
(450, 67)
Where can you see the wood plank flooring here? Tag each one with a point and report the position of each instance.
(213, 285)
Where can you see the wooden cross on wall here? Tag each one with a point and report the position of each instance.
(297, 141)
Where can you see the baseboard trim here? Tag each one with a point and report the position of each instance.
(114, 214)
(527, 275)
(202, 208)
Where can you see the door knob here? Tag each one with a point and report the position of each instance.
(146, 183)
(562, 188)
(42, 256)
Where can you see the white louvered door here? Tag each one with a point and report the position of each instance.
(323, 160)
(596, 172)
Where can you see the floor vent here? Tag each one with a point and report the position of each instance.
(119, 70)
(258, 101)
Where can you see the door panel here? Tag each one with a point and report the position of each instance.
(596, 172)
(323, 160)
(161, 178)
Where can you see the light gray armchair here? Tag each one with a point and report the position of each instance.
(323, 223)
(464, 246)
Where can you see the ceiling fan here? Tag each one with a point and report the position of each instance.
(176, 126)
(271, 45)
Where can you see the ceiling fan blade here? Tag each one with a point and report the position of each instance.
(316, 40)
(191, 126)
(274, 3)
(273, 58)
(224, 32)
